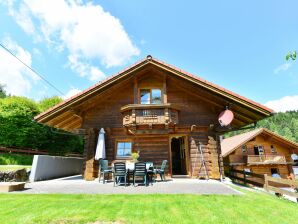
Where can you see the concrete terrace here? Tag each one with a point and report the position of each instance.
(76, 185)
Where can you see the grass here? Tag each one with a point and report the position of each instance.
(249, 208)
(15, 159)
(12, 167)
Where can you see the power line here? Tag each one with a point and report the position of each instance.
(43, 78)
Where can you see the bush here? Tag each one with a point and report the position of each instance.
(15, 159)
(18, 129)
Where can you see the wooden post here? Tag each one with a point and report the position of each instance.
(244, 177)
(165, 96)
(266, 182)
(135, 91)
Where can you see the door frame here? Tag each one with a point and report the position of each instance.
(187, 158)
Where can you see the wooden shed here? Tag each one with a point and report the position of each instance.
(260, 151)
(159, 110)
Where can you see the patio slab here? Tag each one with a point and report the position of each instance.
(76, 185)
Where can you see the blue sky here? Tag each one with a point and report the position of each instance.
(238, 45)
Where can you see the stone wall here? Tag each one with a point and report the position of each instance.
(20, 175)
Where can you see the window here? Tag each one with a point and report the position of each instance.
(273, 149)
(243, 148)
(124, 149)
(156, 96)
(145, 96)
(150, 96)
(261, 150)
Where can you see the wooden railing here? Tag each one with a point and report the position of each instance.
(277, 185)
(266, 159)
(288, 185)
(149, 114)
(258, 159)
(22, 151)
(245, 177)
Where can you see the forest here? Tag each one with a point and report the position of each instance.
(284, 124)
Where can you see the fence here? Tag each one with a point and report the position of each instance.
(269, 183)
(292, 184)
(22, 151)
(247, 177)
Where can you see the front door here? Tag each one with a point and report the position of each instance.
(178, 156)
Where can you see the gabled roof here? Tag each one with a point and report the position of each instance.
(93, 90)
(229, 145)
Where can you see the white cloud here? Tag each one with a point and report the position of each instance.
(71, 92)
(15, 76)
(284, 104)
(23, 19)
(85, 69)
(85, 30)
(282, 68)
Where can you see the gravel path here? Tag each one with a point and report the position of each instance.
(76, 185)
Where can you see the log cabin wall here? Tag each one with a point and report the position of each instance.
(195, 117)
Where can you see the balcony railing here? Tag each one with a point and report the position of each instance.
(266, 159)
(259, 159)
(149, 114)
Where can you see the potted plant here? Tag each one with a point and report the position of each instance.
(135, 156)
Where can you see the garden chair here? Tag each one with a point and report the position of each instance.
(119, 172)
(150, 172)
(140, 171)
(104, 169)
(161, 170)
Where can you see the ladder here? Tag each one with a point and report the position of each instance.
(203, 165)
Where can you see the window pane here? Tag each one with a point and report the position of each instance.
(120, 152)
(127, 145)
(120, 145)
(156, 96)
(127, 152)
(145, 96)
(124, 149)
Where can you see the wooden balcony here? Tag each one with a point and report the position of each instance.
(258, 159)
(149, 115)
(266, 159)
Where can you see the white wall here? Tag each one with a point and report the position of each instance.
(50, 167)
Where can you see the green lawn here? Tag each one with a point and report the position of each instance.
(249, 208)
(15, 159)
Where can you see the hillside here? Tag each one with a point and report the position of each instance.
(284, 124)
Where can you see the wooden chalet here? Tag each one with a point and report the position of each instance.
(260, 151)
(159, 110)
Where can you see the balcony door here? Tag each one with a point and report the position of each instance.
(258, 150)
(179, 156)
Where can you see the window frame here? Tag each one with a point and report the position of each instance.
(116, 148)
(263, 150)
(151, 99)
(273, 149)
(244, 149)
